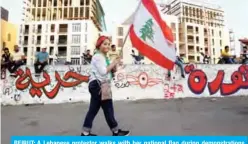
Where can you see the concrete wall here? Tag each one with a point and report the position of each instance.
(69, 83)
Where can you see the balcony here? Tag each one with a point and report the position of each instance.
(191, 52)
(25, 42)
(39, 31)
(190, 41)
(206, 44)
(62, 42)
(182, 51)
(63, 30)
(26, 31)
(61, 54)
(38, 42)
(190, 31)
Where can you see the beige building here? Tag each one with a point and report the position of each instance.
(201, 28)
(120, 32)
(66, 27)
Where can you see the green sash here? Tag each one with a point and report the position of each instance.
(107, 61)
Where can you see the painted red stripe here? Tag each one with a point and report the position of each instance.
(152, 8)
(150, 52)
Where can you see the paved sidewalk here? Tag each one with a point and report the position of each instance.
(225, 116)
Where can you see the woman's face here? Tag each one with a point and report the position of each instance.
(104, 48)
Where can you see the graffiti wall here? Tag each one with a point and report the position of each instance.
(70, 83)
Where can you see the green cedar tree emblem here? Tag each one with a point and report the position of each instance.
(146, 31)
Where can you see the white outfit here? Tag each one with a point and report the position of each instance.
(17, 55)
(99, 68)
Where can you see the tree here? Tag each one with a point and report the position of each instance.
(146, 31)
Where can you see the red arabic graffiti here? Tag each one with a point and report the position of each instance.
(143, 80)
(198, 81)
(170, 91)
(25, 80)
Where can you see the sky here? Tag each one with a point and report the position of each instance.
(116, 11)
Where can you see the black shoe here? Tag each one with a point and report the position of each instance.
(121, 133)
(13, 75)
(183, 76)
(90, 134)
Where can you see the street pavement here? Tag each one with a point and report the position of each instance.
(189, 116)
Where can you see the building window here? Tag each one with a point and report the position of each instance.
(173, 26)
(9, 37)
(33, 28)
(75, 61)
(46, 39)
(86, 27)
(20, 40)
(76, 27)
(198, 58)
(220, 43)
(212, 41)
(32, 39)
(76, 39)
(85, 38)
(220, 33)
(20, 28)
(75, 50)
(213, 51)
(212, 32)
(25, 51)
(85, 47)
(120, 31)
(47, 28)
(4, 44)
(120, 42)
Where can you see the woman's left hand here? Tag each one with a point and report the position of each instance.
(114, 69)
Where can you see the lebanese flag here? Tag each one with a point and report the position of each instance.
(151, 36)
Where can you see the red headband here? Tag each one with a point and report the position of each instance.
(100, 40)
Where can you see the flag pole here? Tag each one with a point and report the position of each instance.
(125, 39)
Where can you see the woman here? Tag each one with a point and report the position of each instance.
(101, 75)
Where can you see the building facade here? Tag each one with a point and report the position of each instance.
(121, 39)
(201, 28)
(8, 31)
(65, 27)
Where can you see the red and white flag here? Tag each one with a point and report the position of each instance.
(151, 36)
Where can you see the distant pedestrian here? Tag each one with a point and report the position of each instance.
(6, 59)
(100, 89)
(87, 57)
(18, 59)
(113, 53)
(41, 61)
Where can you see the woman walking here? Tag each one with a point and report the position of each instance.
(99, 88)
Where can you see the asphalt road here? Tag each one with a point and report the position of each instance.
(224, 116)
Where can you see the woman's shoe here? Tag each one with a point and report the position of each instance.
(121, 133)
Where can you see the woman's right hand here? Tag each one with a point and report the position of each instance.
(117, 61)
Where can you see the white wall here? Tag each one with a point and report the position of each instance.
(131, 83)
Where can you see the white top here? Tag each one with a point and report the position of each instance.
(99, 68)
(17, 55)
